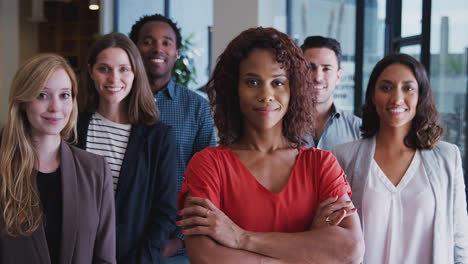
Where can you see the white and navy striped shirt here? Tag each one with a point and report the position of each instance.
(109, 140)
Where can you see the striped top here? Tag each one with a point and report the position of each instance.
(109, 140)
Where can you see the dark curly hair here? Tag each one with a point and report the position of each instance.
(425, 131)
(134, 33)
(222, 88)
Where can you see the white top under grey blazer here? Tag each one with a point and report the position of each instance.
(444, 170)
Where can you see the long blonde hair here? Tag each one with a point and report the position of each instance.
(19, 198)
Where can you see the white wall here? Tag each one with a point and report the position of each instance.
(229, 19)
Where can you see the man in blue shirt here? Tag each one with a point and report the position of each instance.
(332, 126)
(158, 38)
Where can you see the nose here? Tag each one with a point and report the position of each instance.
(317, 75)
(397, 96)
(265, 95)
(54, 104)
(157, 47)
(113, 76)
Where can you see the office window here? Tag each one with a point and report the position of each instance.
(129, 11)
(411, 16)
(195, 18)
(449, 53)
(374, 38)
(330, 18)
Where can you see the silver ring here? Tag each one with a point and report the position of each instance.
(328, 219)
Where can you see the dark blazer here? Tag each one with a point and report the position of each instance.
(146, 194)
(88, 231)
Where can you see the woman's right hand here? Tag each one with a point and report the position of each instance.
(331, 212)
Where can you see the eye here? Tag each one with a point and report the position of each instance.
(66, 95)
(167, 43)
(326, 69)
(147, 42)
(409, 88)
(278, 83)
(42, 96)
(385, 88)
(313, 67)
(125, 69)
(251, 82)
(103, 69)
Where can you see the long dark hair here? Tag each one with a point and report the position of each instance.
(425, 131)
(141, 108)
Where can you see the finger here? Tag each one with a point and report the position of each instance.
(197, 230)
(337, 217)
(336, 206)
(193, 221)
(327, 201)
(194, 210)
(202, 202)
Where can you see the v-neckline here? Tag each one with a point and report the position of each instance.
(405, 179)
(261, 186)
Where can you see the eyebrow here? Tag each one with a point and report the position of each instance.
(105, 64)
(164, 37)
(405, 82)
(256, 75)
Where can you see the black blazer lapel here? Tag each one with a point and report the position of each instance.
(40, 244)
(70, 203)
(127, 170)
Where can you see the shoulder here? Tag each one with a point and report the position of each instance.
(189, 95)
(83, 156)
(210, 156)
(350, 117)
(349, 148)
(159, 133)
(444, 151)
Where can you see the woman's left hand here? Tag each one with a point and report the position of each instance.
(201, 217)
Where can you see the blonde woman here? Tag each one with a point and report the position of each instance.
(56, 201)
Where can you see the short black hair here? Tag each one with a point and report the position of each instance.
(323, 42)
(159, 18)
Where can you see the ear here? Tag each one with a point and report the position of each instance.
(339, 73)
(90, 71)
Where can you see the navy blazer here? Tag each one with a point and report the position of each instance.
(88, 230)
(145, 200)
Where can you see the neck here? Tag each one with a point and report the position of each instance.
(48, 152)
(323, 113)
(116, 113)
(159, 83)
(267, 140)
(392, 138)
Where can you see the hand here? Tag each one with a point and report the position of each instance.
(201, 217)
(331, 212)
(171, 247)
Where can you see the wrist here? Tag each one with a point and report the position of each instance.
(244, 240)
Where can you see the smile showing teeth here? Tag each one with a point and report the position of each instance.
(114, 89)
(397, 110)
(157, 60)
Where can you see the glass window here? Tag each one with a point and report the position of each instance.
(449, 53)
(195, 19)
(413, 50)
(330, 18)
(272, 13)
(411, 17)
(129, 11)
(374, 38)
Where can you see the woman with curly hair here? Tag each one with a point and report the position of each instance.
(253, 198)
(407, 185)
(56, 201)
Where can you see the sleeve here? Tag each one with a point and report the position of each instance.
(460, 214)
(205, 135)
(202, 178)
(104, 246)
(332, 178)
(161, 221)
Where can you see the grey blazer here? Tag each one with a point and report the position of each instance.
(88, 230)
(444, 170)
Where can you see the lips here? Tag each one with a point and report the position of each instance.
(114, 89)
(266, 110)
(52, 120)
(397, 110)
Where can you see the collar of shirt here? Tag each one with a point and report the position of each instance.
(169, 90)
(334, 112)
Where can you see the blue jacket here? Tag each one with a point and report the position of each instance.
(146, 194)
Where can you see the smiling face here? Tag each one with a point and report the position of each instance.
(157, 45)
(396, 97)
(113, 76)
(263, 90)
(325, 71)
(48, 114)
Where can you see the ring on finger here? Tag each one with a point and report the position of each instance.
(328, 220)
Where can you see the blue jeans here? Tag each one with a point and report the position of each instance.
(178, 260)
